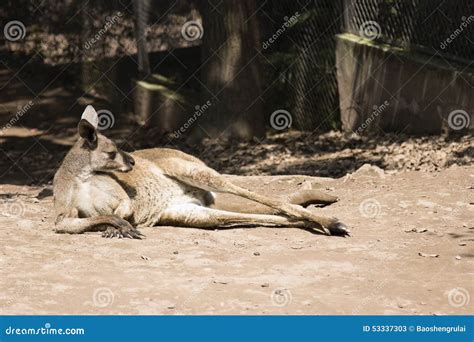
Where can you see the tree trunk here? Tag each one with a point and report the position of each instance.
(231, 70)
(142, 13)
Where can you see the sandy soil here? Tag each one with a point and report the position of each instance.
(411, 252)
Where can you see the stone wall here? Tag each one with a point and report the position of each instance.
(393, 89)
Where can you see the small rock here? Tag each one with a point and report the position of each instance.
(416, 230)
(458, 257)
(145, 257)
(256, 253)
(403, 303)
(428, 255)
(462, 244)
(175, 252)
(265, 285)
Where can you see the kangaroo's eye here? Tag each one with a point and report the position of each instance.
(112, 155)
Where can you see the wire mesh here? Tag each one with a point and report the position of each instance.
(300, 65)
(300, 73)
(436, 27)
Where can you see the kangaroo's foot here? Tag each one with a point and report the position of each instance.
(339, 229)
(123, 232)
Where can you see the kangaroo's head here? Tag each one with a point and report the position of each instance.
(103, 153)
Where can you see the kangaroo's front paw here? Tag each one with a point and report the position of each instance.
(122, 232)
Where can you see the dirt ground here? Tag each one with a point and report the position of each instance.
(422, 203)
(411, 252)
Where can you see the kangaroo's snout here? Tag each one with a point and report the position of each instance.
(128, 162)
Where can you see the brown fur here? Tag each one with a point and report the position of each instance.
(101, 188)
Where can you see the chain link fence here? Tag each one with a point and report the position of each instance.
(299, 54)
(298, 44)
(300, 64)
(435, 27)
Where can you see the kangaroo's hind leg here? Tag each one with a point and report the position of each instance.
(203, 177)
(194, 215)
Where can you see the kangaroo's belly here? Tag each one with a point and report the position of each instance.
(151, 192)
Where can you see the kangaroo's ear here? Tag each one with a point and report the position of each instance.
(88, 126)
(91, 116)
(88, 132)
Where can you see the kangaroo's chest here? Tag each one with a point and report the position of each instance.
(98, 195)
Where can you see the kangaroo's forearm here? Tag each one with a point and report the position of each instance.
(90, 224)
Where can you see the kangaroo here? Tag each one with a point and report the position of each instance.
(99, 187)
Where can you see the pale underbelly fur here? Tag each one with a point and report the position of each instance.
(146, 190)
